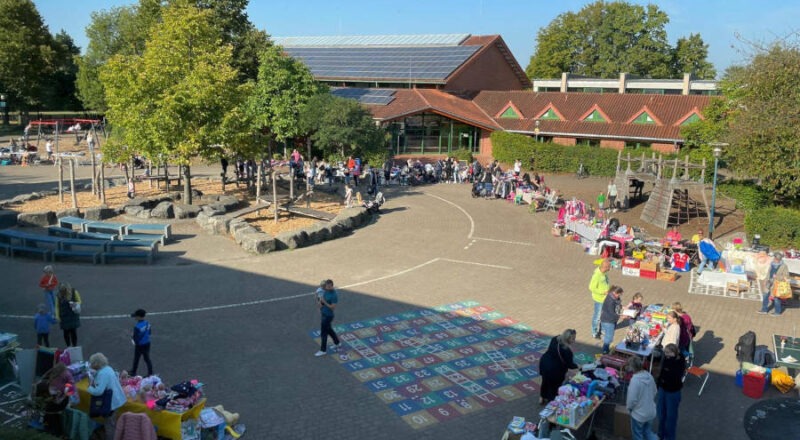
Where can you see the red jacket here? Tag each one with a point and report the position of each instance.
(48, 282)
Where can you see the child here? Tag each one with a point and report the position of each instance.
(48, 283)
(132, 189)
(141, 342)
(42, 322)
(601, 200)
(634, 308)
(348, 196)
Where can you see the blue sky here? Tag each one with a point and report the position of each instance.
(717, 21)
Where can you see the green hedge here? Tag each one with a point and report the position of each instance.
(777, 226)
(462, 154)
(555, 158)
(748, 195)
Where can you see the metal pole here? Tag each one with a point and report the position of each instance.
(713, 200)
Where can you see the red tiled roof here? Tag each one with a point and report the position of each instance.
(669, 110)
(412, 101)
(496, 40)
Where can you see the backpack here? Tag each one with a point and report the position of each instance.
(746, 347)
(764, 357)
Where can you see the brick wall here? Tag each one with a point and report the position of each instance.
(489, 70)
(485, 145)
(609, 143)
(663, 148)
(564, 141)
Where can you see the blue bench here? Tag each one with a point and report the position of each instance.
(95, 256)
(9, 235)
(105, 227)
(158, 238)
(45, 253)
(152, 246)
(6, 248)
(34, 240)
(151, 227)
(71, 222)
(106, 256)
(97, 235)
(69, 244)
(58, 231)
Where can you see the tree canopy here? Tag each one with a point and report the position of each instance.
(606, 38)
(342, 127)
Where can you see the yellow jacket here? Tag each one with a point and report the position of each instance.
(599, 285)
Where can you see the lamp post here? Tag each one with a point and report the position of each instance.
(536, 131)
(4, 106)
(717, 153)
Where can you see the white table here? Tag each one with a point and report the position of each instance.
(793, 264)
(720, 279)
(588, 232)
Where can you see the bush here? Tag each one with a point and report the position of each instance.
(24, 434)
(553, 158)
(748, 195)
(462, 154)
(778, 227)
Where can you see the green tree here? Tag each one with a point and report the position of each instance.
(342, 127)
(26, 54)
(606, 38)
(689, 56)
(171, 101)
(62, 88)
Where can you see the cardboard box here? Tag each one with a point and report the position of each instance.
(651, 274)
(630, 271)
(622, 422)
(667, 275)
(648, 265)
(631, 262)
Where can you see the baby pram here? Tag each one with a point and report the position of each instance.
(373, 206)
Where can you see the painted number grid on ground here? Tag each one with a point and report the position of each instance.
(432, 365)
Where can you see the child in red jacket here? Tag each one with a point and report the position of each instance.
(48, 283)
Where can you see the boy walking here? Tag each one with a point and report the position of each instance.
(327, 297)
(141, 342)
(42, 322)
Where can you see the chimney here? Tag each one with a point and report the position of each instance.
(687, 79)
(623, 82)
(564, 80)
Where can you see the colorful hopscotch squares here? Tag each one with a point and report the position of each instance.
(433, 365)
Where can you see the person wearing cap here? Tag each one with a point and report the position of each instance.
(777, 271)
(141, 342)
(609, 316)
(326, 297)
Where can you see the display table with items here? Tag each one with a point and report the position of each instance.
(787, 352)
(578, 400)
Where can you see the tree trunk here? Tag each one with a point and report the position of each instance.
(258, 181)
(95, 190)
(60, 180)
(72, 183)
(187, 185)
(275, 194)
(166, 176)
(291, 185)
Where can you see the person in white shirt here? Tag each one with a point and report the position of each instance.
(48, 146)
(612, 195)
(517, 167)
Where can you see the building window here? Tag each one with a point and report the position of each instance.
(550, 115)
(595, 116)
(637, 145)
(509, 113)
(587, 142)
(694, 117)
(644, 118)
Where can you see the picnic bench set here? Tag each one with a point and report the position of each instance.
(101, 242)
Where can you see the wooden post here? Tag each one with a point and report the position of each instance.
(60, 179)
(166, 176)
(258, 182)
(72, 183)
(629, 163)
(619, 160)
(95, 189)
(102, 182)
(291, 185)
(275, 194)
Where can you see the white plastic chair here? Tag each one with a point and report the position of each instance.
(551, 201)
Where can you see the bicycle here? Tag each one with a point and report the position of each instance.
(582, 172)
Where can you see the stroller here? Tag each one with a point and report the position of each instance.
(374, 206)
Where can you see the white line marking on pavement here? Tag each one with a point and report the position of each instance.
(493, 266)
(471, 221)
(521, 243)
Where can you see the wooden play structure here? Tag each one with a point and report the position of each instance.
(669, 202)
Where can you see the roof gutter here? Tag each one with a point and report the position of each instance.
(599, 136)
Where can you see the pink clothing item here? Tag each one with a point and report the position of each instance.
(133, 426)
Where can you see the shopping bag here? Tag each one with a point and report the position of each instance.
(782, 290)
(100, 406)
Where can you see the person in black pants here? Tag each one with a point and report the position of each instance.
(554, 365)
(141, 342)
(68, 315)
(327, 298)
(670, 383)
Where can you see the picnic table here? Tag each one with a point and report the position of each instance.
(105, 227)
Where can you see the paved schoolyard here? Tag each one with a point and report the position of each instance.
(241, 323)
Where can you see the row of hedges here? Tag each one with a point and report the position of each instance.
(555, 158)
(748, 195)
(778, 227)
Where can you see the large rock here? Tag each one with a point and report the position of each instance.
(214, 209)
(336, 230)
(352, 217)
(69, 212)
(98, 213)
(7, 218)
(40, 218)
(210, 197)
(163, 210)
(133, 210)
(22, 198)
(144, 213)
(213, 224)
(185, 211)
(258, 242)
(291, 240)
(229, 202)
(318, 233)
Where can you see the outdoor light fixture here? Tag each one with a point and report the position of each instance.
(717, 153)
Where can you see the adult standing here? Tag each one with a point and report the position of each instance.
(778, 271)
(673, 333)
(105, 379)
(611, 194)
(141, 342)
(327, 298)
(687, 329)
(68, 313)
(670, 383)
(609, 316)
(554, 364)
(641, 400)
(48, 147)
(54, 392)
(598, 286)
(709, 255)
(49, 283)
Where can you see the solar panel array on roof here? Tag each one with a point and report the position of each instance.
(385, 63)
(372, 40)
(366, 96)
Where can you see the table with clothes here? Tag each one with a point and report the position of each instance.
(578, 400)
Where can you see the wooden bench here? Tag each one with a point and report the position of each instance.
(97, 235)
(58, 231)
(45, 253)
(71, 222)
(144, 237)
(166, 229)
(106, 256)
(95, 256)
(105, 227)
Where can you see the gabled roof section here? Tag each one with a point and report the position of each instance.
(485, 41)
(508, 110)
(408, 102)
(693, 115)
(644, 116)
(550, 110)
(595, 114)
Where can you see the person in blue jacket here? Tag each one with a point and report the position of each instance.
(709, 255)
(141, 342)
(102, 379)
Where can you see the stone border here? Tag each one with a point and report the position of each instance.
(257, 242)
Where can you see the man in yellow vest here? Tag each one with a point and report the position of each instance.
(599, 287)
